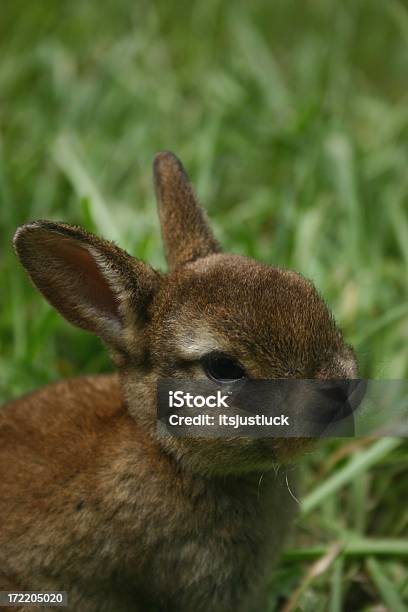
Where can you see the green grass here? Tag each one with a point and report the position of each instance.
(292, 119)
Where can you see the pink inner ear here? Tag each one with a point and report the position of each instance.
(85, 277)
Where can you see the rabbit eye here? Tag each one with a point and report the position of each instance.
(222, 368)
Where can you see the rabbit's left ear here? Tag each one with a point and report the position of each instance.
(186, 233)
(93, 283)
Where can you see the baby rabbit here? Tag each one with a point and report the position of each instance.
(93, 500)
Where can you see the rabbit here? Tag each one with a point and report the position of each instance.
(94, 501)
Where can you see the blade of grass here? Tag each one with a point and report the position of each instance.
(356, 466)
(385, 587)
(319, 567)
(359, 502)
(336, 595)
(69, 162)
(359, 547)
(400, 311)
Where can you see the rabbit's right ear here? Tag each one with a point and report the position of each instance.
(186, 233)
(90, 281)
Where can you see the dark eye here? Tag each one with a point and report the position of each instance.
(222, 368)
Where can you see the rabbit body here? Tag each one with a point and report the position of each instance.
(91, 505)
(94, 501)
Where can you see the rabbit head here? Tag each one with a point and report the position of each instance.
(212, 314)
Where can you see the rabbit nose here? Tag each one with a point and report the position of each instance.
(338, 401)
(337, 392)
(348, 393)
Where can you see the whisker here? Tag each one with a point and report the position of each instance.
(293, 496)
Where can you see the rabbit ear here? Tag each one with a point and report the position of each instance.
(186, 233)
(90, 281)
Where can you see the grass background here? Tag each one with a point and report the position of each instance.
(292, 120)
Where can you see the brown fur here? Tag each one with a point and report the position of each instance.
(93, 500)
